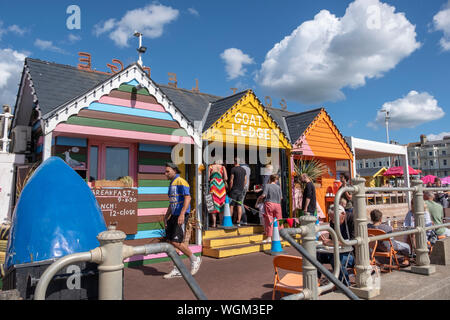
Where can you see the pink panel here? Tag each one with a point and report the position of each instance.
(151, 169)
(135, 136)
(305, 147)
(152, 211)
(132, 104)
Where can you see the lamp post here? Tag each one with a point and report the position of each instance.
(386, 121)
(140, 49)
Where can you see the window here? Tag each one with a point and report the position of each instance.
(367, 164)
(444, 153)
(413, 162)
(111, 161)
(380, 164)
(430, 153)
(360, 165)
(431, 163)
(444, 162)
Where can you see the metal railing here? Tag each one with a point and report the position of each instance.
(109, 256)
(364, 283)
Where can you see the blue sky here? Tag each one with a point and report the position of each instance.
(351, 57)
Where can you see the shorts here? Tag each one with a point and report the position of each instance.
(174, 231)
(236, 195)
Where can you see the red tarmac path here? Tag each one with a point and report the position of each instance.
(245, 277)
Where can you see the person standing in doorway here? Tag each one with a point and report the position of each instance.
(217, 187)
(272, 196)
(177, 216)
(238, 180)
(247, 184)
(309, 196)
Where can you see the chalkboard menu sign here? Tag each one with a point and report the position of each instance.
(119, 207)
(209, 203)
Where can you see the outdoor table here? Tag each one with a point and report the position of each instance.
(342, 249)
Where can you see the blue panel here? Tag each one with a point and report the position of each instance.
(158, 233)
(73, 142)
(155, 148)
(153, 190)
(96, 106)
(56, 215)
(133, 82)
(39, 148)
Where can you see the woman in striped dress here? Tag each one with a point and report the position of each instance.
(217, 187)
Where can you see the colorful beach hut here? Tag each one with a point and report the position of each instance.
(108, 127)
(315, 136)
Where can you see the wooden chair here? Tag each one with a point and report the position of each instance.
(291, 282)
(391, 253)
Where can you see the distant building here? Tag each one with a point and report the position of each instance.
(432, 157)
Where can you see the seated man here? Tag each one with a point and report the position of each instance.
(436, 213)
(347, 231)
(401, 247)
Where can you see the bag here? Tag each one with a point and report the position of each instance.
(432, 237)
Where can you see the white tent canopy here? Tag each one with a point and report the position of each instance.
(368, 149)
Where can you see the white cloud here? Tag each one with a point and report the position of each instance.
(74, 38)
(46, 45)
(410, 111)
(11, 65)
(235, 60)
(150, 21)
(193, 12)
(324, 55)
(440, 136)
(13, 28)
(441, 22)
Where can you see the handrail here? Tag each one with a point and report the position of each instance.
(52, 270)
(285, 233)
(98, 255)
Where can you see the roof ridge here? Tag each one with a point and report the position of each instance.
(308, 111)
(233, 95)
(187, 90)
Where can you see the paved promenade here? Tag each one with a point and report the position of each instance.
(250, 277)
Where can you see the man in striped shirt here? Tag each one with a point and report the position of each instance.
(177, 216)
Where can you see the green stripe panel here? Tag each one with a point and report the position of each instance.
(154, 162)
(75, 156)
(153, 183)
(153, 204)
(91, 122)
(132, 89)
(150, 261)
(150, 226)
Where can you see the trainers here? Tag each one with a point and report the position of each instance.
(196, 265)
(175, 273)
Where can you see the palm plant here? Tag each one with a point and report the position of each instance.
(313, 168)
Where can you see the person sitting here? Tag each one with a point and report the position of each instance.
(347, 231)
(436, 212)
(401, 247)
(410, 223)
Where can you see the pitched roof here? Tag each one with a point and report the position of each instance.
(297, 123)
(192, 104)
(279, 116)
(56, 84)
(219, 107)
(368, 172)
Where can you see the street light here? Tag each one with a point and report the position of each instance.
(386, 120)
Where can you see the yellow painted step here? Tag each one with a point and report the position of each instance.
(228, 241)
(229, 251)
(2, 257)
(218, 233)
(3, 244)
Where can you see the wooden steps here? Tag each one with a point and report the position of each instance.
(222, 243)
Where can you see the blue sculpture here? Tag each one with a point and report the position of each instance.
(56, 215)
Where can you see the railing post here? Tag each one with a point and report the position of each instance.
(309, 243)
(111, 265)
(364, 283)
(422, 265)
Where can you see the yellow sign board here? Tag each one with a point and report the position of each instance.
(248, 123)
